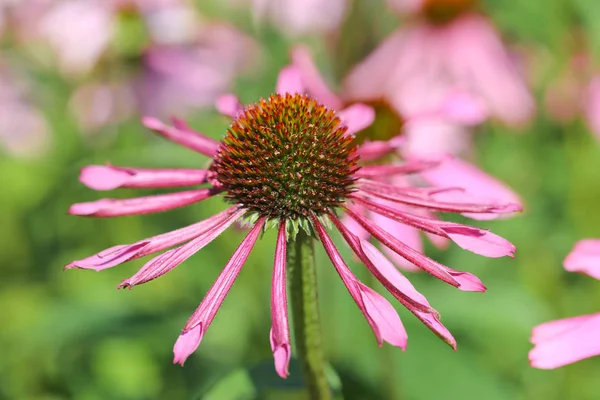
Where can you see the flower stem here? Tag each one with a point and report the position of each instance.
(305, 314)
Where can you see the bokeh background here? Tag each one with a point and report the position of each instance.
(75, 76)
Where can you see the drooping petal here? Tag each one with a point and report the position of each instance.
(108, 177)
(380, 314)
(183, 135)
(461, 280)
(430, 318)
(585, 258)
(405, 233)
(437, 199)
(229, 105)
(565, 341)
(477, 183)
(140, 205)
(312, 79)
(186, 344)
(357, 117)
(162, 264)
(479, 241)
(205, 313)
(395, 283)
(290, 81)
(119, 254)
(280, 331)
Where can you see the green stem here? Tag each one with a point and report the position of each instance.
(305, 314)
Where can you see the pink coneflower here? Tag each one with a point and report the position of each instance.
(448, 44)
(565, 341)
(288, 161)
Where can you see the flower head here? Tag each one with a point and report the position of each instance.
(291, 161)
(287, 157)
(448, 46)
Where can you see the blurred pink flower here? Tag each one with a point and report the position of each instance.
(428, 135)
(61, 25)
(23, 129)
(65, 24)
(576, 91)
(270, 133)
(302, 17)
(445, 49)
(591, 105)
(96, 105)
(176, 79)
(565, 341)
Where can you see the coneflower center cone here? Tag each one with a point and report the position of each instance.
(286, 157)
(387, 124)
(444, 11)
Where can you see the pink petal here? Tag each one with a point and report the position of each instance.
(432, 138)
(556, 328)
(280, 331)
(281, 356)
(380, 314)
(162, 264)
(207, 310)
(565, 341)
(110, 257)
(186, 344)
(122, 253)
(312, 79)
(431, 318)
(290, 81)
(405, 233)
(478, 184)
(229, 105)
(585, 258)
(354, 227)
(140, 205)
(477, 240)
(395, 282)
(357, 117)
(183, 135)
(107, 177)
(461, 280)
(442, 199)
